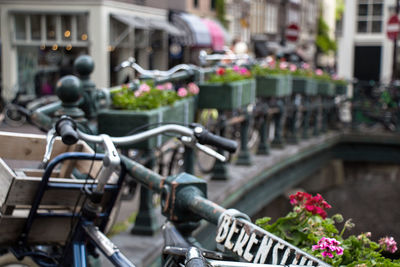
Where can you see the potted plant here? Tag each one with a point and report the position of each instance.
(341, 85)
(273, 80)
(227, 89)
(148, 105)
(303, 82)
(325, 85)
(309, 228)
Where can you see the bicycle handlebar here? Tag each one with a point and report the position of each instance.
(151, 74)
(207, 138)
(66, 128)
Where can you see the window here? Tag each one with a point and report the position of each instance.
(196, 3)
(369, 16)
(212, 4)
(271, 18)
(47, 45)
(50, 29)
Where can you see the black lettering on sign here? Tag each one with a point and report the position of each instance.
(256, 245)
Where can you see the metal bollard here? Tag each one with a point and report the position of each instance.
(263, 146)
(244, 157)
(220, 170)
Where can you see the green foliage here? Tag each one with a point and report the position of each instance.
(126, 99)
(258, 70)
(339, 9)
(148, 97)
(323, 41)
(322, 76)
(228, 75)
(303, 229)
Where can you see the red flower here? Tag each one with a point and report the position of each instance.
(220, 71)
(315, 205)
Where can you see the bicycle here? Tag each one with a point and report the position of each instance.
(91, 221)
(184, 203)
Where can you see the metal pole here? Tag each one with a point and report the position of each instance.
(394, 65)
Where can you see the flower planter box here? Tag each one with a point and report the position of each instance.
(116, 122)
(305, 86)
(326, 88)
(274, 86)
(341, 89)
(227, 96)
(20, 179)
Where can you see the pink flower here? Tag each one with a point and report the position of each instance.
(283, 65)
(388, 244)
(244, 71)
(319, 72)
(236, 68)
(193, 88)
(160, 87)
(138, 93)
(293, 67)
(272, 63)
(182, 92)
(335, 77)
(168, 86)
(328, 246)
(306, 66)
(144, 87)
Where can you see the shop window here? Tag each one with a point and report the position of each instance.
(47, 45)
(39, 68)
(369, 16)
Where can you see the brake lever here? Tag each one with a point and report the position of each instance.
(211, 152)
(188, 141)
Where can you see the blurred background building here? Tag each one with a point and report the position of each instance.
(40, 39)
(364, 50)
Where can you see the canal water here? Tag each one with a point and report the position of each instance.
(368, 193)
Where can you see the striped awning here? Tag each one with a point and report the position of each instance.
(147, 23)
(196, 32)
(217, 35)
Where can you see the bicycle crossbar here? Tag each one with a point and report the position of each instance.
(243, 238)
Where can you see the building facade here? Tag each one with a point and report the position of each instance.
(364, 50)
(269, 20)
(40, 40)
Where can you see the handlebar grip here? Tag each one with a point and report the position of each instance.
(194, 258)
(206, 138)
(66, 128)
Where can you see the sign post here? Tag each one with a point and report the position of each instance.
(393, 28)
(292, 32)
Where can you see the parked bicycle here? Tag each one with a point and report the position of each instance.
(92, 218)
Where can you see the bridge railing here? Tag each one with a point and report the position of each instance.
(293, 112)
